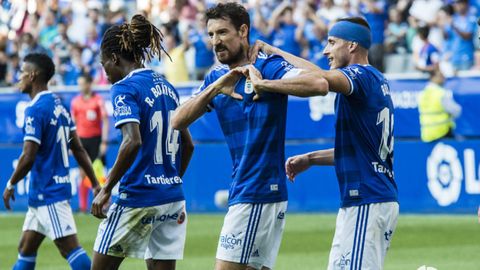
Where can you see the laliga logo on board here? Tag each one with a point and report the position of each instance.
(445, 174)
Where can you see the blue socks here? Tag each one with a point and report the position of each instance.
(25, 262)
(78, 259)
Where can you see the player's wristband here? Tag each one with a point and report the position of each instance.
(10, 186)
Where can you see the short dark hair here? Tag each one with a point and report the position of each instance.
(423, 31)
(237, 14)
(357, 20)
(43, 63)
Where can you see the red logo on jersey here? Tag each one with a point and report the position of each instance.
(181, 218)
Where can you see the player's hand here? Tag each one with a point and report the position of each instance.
(99, 202)
(96, 190)
(295, 165)
(7, 194)
(259, 46)
(228, 82)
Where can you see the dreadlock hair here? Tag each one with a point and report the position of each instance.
(136, 41)
(43, 63)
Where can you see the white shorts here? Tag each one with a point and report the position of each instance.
(52, 220)
(156, 232)
(362, 236)
(252, 233)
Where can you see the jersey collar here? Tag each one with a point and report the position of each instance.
(37, 97)
(131, 74)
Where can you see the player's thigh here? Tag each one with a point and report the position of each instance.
(379, 234)
(125, 232)
(251, 234)
(30, 242)
(105, 262)
(349, 232)
(167, 240)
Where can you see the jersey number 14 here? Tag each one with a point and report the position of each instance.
(171, 142)
(386, 120)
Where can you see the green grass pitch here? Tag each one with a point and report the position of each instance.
(444, 242)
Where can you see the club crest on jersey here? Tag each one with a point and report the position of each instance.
(248, 87)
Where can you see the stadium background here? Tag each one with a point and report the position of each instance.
(434, 178)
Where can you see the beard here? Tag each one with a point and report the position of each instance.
(235, 58)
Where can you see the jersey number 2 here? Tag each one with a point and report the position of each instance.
(386, 119)
(172, 137)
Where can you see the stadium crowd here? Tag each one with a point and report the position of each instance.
(407, 35)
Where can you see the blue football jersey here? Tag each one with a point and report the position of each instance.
(364, 138)
(255, 134)
(48, 124)
(147, 98)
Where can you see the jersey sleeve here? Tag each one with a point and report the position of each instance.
(356, 77)
(206, 82)
(125, 106)
(33, 125)
(274, 67)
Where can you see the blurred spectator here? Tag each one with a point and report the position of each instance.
(425, 10)
(330, 12)
(49, 30)
(395, 33)
(60, 45)
(284, 31)
(315, 32)
(198, 38)
(437, 109)
(427, 57)
(13, 71)
(72, 69)
(461, 28)
(375, 13)
(28, 44)
(175, 68)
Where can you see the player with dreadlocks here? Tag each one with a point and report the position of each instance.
(148, 219)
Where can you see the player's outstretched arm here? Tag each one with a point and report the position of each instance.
(299, 163)
(304, 84)
(131, 143)
(337, 82)
(83, 160)
(187, 150)
(25, 163)
(195, 107)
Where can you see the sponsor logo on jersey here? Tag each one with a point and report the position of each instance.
(255, 253)
(181, 218)
(281, 215)
(445, 174)
(29, 129)
(230, 241)
(121, 108)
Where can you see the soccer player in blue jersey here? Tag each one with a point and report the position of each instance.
(255, 134)
(148, 220)
(49, 134)
(363, 152)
